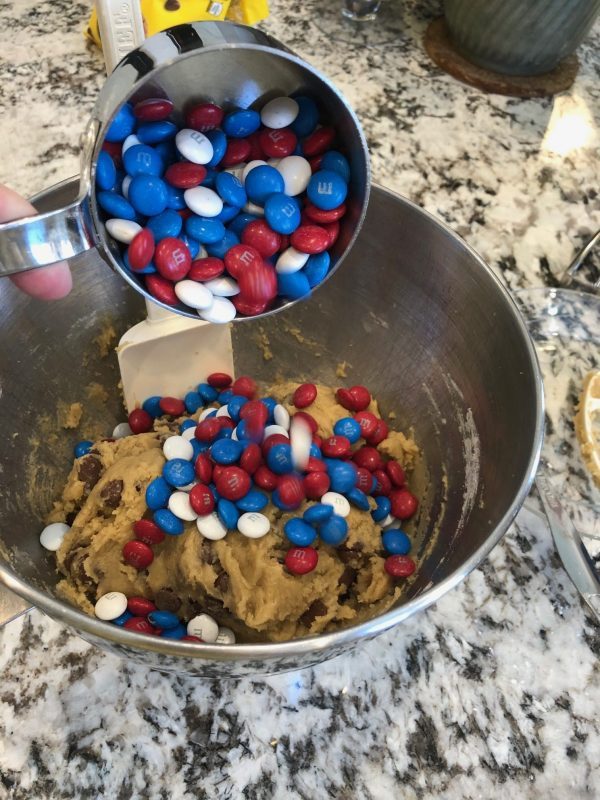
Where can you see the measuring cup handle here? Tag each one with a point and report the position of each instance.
(37, 241)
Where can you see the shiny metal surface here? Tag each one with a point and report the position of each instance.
(569, 274)
(229, 64)
(419, 318)
(572, 551)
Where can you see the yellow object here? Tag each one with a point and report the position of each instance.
(161, 14)
(587, 423)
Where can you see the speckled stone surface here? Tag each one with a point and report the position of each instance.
(495, 692)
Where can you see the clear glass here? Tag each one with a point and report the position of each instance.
(361, 10)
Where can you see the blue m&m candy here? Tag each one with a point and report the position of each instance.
(241, 123)
(158, 492)
(175, 198)
(178, 632)
(151, 405)
(349, 428)
(121, 620)
(192, 401)
(193, 245)
(115, 205)
(336, 162)
(263, 181)
(327, 189)
(207, 392)
(206, 230)
(142, 160)
(219, 249)
(238, 224)
(178, 472)
(308, 117)
(168, 522)
(317, 514)
(334, 530)
(358, 498)
(228, 513)
(163, 619)
(270, 403)
(106, 172)
(148, 195)
(293, 285)
(82, 448)
(154, 132)
(316, 268)
(342, 475)
(167, 224)
(231, 190)
(219, 144)
(188, 423)
(234, 406)
(228, 213)
(384, 507)
(226, 451)
(122, 125)
(396, 542)
(279, 459)
(253, 501)
(299, 532)
(282, 212)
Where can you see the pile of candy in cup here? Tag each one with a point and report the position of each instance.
(230, 215)
(237, 455)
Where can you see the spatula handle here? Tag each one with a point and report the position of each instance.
(121, 29)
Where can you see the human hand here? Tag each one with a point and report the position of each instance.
(46, 283)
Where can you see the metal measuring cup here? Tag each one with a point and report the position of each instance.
(222, 62)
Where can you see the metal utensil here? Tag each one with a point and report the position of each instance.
(572, 551)
(232, 65)
(568, 275)
(427, 326)
(165, 353)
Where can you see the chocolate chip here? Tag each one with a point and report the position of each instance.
(347, 554)
(88, 472)
(70, 518)
(213, 606)
(172, 5)
(316, 609)
(222, 582)
(347, 577)
(111, 493)
(167, 600)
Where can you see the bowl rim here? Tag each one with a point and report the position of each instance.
(113, 634)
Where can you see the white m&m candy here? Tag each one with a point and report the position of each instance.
(338, 502)
(178, 447)
(194, 294)
(296, 173)
(226, 636)
(253, 525)
(52, 536)
(203, 201)
(110, 606)
(123, 230)
(179, 504)
(121, 430)
(204, 627)
(291, 260)
(221, 311)
(194, 146)
(211, 527)
(279, 113)
(223, 287)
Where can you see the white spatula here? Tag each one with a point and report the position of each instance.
(166, 354)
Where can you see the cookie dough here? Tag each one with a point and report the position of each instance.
(239, 581)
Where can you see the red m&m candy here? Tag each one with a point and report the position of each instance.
(396, 473)
(140, 606)
(304, 395)
(237, 151)
(205, 269)
(265, 479)
(139, 625)
(368, 423)
(399, 566)
(380, 433)
(321, 216)
(244, 386)
(316, 484)
(202, 500)
(310, 239)
(141, 250)
(208, 429)
(251, 458)
(203, 468)
(318, 142)
(383, 483)
(259, 235)
(291, 490)
(185, 175)
(219, 380)
(172, 406)
(148, 532)
(140, 421)
(233, 483)
(369, 458)
(239, 257)
(172, 258)
(310, 421)
(278, 143)
(204, 117)
(404, 503)
(152, 110)
(138, 554)
(301, 560)
(336, 447)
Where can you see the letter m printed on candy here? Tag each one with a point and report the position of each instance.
(325, 187)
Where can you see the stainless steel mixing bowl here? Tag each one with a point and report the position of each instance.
(418, 317)
(232, 65)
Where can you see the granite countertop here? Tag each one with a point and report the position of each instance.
(495, 691)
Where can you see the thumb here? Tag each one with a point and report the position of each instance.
(46, 283)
